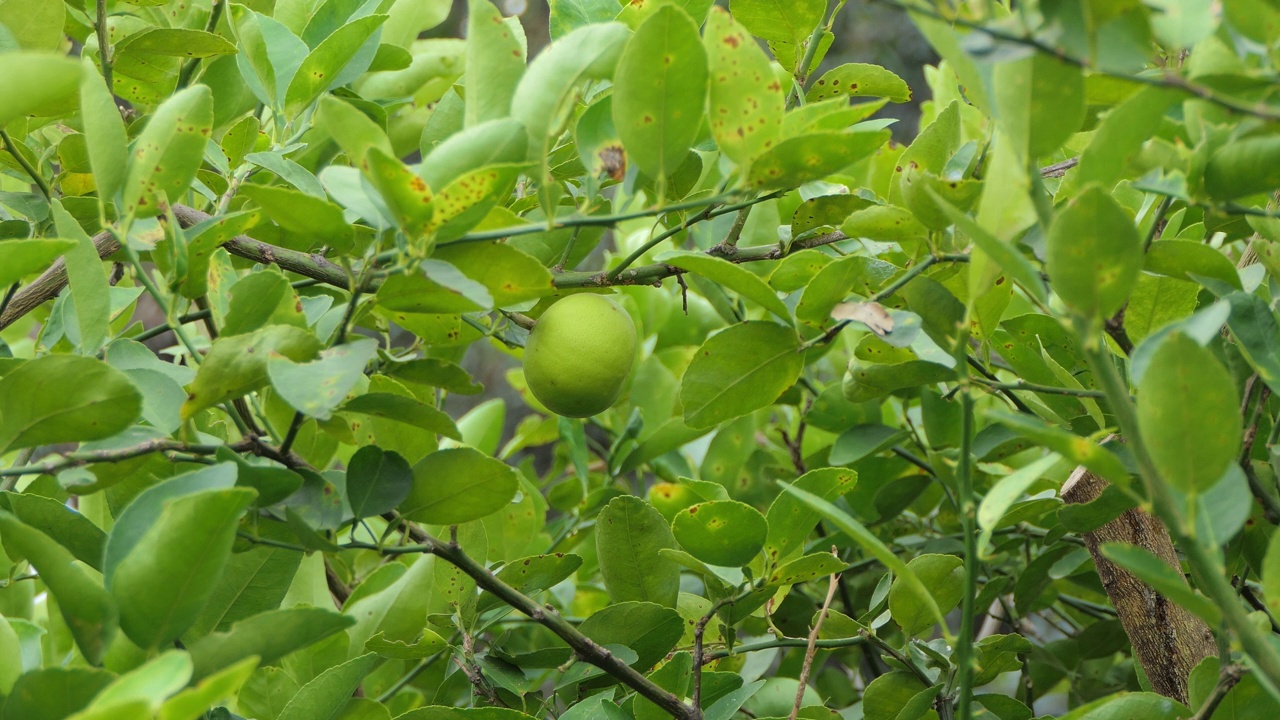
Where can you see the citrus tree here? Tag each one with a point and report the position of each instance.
(804, 422)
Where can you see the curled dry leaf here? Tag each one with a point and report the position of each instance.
(871, 314)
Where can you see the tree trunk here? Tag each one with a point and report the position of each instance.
(1167, 640)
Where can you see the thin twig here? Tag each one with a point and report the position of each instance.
(294, 426)
(57, 463)
(1057, 170)
(189, 67)
(31, 172)
(812, 649)
(104, 45)
(587, 649)
(1166, 80)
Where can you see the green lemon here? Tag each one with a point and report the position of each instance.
(579, 354)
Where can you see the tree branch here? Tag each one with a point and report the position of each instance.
(1166, 80)
(88, 457)
(587, 649)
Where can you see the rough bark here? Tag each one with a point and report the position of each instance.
(1168, 641)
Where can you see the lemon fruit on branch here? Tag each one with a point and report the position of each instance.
(579, 354)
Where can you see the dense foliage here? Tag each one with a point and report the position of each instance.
(898, 425)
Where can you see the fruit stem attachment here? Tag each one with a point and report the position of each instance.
(520, 319)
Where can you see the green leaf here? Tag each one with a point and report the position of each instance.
(316, 220)
(377, 481)
(747, 101)
(510, 275)
(791, 520)
(1166, 580)
(1157, 301)
(67, 527)
(150, 683)
(36, 25)
(325, 66)
(569, 15)
(64, 398)
(730, 376)
(806, 568)
(886, 695)
(494, 142)
(146, 507)
(191, 704)
(167, 154)
(288, 170)
(729, 275)
(531, 575)
(1005, 254)
(54, 693)
(163, 582)
(1188, 414)
(203, 239)
(354, 132)
(629, 535)
(464, 202)
(436, 373)
(436, 287)
(89, 287)
(177, 42)
(1119, 138)
(410, 18)
(659, 90)
(36, 83)
(10, 657)
(544, 97)
(495, 62)
(317, 388)
(268, 636)
(402, 409)
(253, 581)
(429, 644)
(1079, 451)
(458, 485)
(1005, 492)
(1041, 102)
(405, 194)
(1257, 335)
(859, 80)
(1184, 260)
(1181, 24)
(86, 607)
(865, 382)
(861, 441)
(649, 629)
(238, 364)
(1094, 254)
(259, 299)
(1243, 167)
(1121, 706)
(806, 158)
(779, 20)
(722, 532)
(21, 258)
(324, 697)
(943, 576)
(1271, 574)
(728, 704)
(104, 133)
(873, 545)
